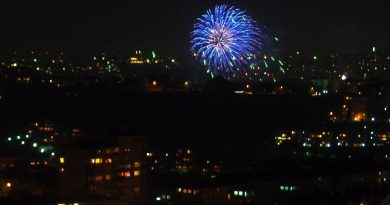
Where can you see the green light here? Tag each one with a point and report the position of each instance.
(153, 54)
(281, 188)
(35, 144)
(266, 65)
(212, 74)
(18, 137)
(9, 139)
(42, 150)
(282, 70)
(315, 57)
(27, 136)
(280, 62)
(22, 142)
(308, 154)
(273, 59)
(277, 39)
(204, 62)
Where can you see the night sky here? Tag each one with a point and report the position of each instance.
(80, 27)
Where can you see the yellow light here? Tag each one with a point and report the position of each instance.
(62, 160)
(137, 173)
(8, 184)
(358, 117)
(154, 83)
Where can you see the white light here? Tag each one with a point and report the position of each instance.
(22, 142)
(343, 77)
(35, 144)
(158, 198)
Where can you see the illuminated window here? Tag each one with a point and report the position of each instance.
(98, 178)
(124, 174)
(97, 161)
(188, 151)
(109, 160)
(137, 173)
(62, 160)
(137, 164)
(108, 177)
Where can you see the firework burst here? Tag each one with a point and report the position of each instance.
(227, 41)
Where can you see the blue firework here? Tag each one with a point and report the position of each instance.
(226, 41)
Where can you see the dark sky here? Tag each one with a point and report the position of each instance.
(83, 26)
